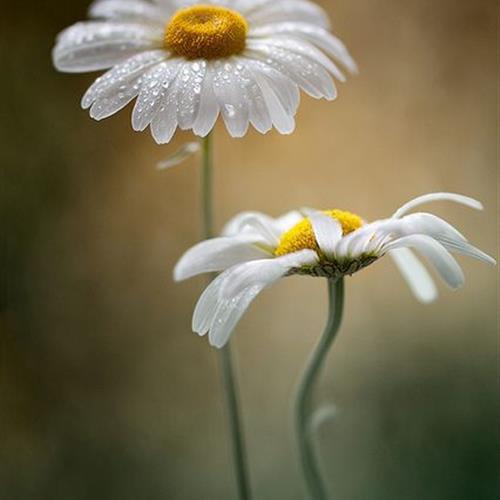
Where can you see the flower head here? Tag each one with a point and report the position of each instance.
(186, 62)
(256, 250)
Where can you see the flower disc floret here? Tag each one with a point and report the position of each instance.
(301, 236)
(206, 31)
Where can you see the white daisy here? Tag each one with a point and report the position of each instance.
(186, 62)
(256, 250)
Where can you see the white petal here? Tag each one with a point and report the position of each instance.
(426, 198)
(116, 88)
(437, 255)
(155, 87)
(281, 117)
(283, 87)
(318, 36)
(128, 10)
(253, 223)
(306, 49)
(307, 74)
(208, 110)
(189, 81)
(216, 254)
(264, 272)
(227, 315)
(238, 286)
(287, 221)
(415, 274)
(288, 10)
(465, 248)
(229, 87)
(428, 224)
(91, 46)
(327, 231)
(206, 306)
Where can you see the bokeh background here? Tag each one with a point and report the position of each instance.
(105, 393)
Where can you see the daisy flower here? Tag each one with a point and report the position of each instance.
(256, 250)
(186, 62)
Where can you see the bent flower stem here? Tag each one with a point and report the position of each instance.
(303, 403)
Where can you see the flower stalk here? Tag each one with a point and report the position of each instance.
(303, 403)
(225, 356)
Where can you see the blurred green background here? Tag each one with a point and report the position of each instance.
(104, 391)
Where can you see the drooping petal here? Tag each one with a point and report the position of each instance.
(238, 286)
(426, 198)
(266, 271)
(415, 274)
(217, 254)
(92, 46)
(116, 88)
(465, 248)
(129, 10)
(428, 224)
(438, 256)
(327, 231)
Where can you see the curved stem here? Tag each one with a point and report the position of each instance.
(225, 357)
(309, 461)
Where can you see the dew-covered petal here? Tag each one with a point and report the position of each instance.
(307, 74)
(208, 109)
(155, 88)
(217, 254)
(129, 10)
(426, 198)
(93, 45)
(284, 88)
(306, 49)
(238, 286)
(231, 92)
(438, 256)
(265, 271)
(415, 274)
(116, 88)
(317, 35)
(189, 84)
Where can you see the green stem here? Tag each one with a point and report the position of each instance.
(303, 408)
(225, 358)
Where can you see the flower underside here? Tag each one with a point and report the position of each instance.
(206, 32)
(301, 236)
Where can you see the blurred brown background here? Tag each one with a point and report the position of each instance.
(105, 393)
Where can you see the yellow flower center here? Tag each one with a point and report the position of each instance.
(207, 32)
(301, 236)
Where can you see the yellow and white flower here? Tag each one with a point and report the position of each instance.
(186, 62)
(256, 250)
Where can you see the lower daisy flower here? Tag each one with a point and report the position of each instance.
(256, 250)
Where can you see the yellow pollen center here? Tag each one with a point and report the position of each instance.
(207, 32)
(301, 236)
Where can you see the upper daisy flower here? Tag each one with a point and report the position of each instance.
(257, 250)
(186, 62)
